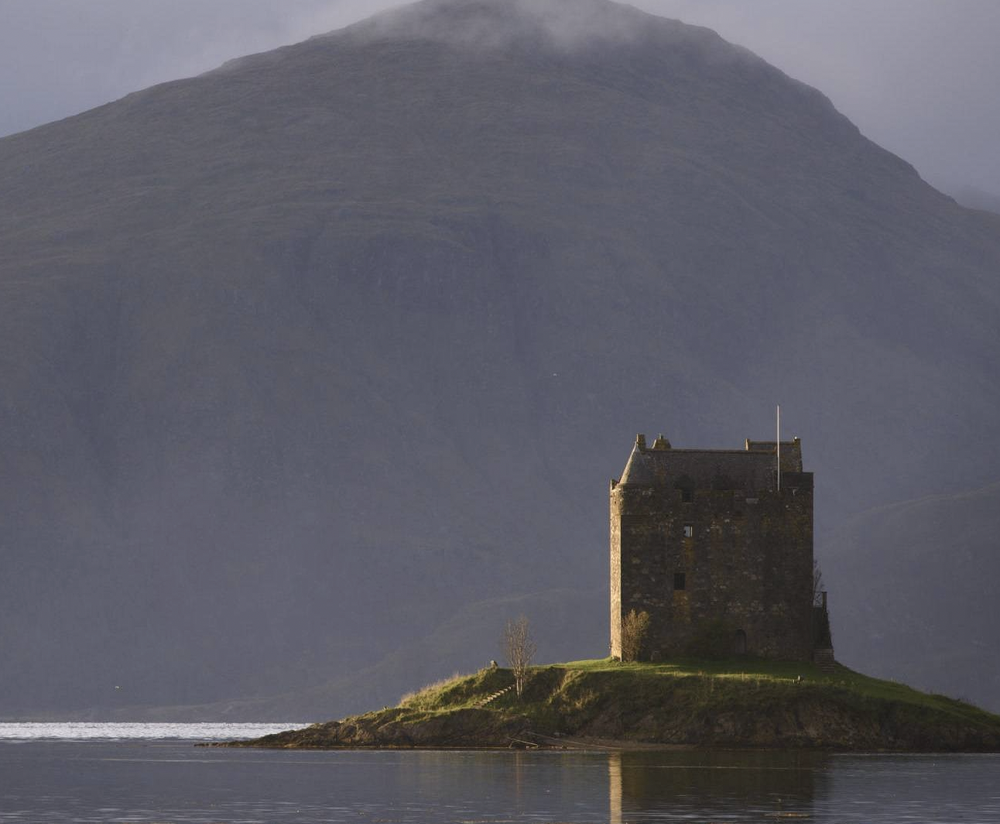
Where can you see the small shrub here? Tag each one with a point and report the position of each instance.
(635, 627)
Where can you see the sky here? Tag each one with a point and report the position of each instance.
(919, 77)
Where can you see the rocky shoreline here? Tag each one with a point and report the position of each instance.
(656, 707)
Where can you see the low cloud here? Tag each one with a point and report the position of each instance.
(917, 76)
(559, 24)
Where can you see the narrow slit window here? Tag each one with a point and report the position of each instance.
(680, 581)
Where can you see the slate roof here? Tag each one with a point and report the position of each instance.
(751, 469)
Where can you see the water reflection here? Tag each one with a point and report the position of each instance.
(656, 786)
(128, 781)
(615, 788)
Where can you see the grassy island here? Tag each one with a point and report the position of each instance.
(604, 703)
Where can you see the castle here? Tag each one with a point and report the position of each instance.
(716, 546)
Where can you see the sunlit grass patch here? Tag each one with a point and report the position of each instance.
(431, 692)
(458, 690)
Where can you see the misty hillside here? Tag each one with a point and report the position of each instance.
(952, 541)
(978, 199)
(308, 355)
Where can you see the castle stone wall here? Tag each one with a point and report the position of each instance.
(722, 563)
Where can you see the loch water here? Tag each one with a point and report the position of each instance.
(156, 774)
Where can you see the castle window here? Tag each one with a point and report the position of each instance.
(686, 496)
(680, 581)
(688, 533)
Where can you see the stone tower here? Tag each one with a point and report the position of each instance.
(717, 547)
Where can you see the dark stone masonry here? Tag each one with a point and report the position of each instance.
(717, 547)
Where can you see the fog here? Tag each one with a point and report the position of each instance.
(560, 24)
(919, 77)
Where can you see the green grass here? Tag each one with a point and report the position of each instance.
(459, 691)
(765, 672)
(741, 702)
(575, 689)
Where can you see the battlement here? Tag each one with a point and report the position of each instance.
(791, 452)
(752, 469)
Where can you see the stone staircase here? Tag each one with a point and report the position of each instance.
(491, 698)
(824, 660)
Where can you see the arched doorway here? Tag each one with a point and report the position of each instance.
(740, 642)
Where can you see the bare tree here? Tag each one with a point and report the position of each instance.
(518, 649)
(635, 625)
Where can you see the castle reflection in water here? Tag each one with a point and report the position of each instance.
(782, 784)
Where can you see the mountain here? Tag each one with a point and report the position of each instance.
(306, 356)
(914, 585)
(978, 199)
